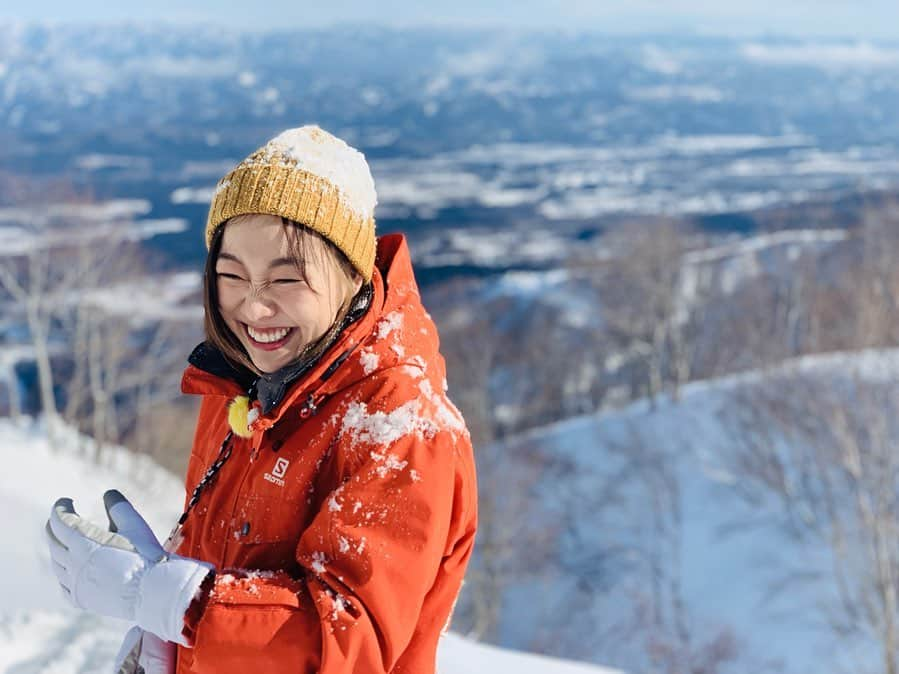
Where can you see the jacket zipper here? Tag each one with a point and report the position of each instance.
(238, 492)
(309, 408)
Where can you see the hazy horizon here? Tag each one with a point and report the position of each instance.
(871, 20)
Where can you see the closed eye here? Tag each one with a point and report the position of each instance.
(232, 277)
(288, 280)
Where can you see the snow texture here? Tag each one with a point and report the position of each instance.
(369, 361)
(727, 572)
(385, 428)
(392, 321)
(311, 149)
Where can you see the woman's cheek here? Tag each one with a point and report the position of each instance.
(228, 304)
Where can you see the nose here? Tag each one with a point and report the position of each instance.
(258, 307)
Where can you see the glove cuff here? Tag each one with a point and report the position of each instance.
(166, 591)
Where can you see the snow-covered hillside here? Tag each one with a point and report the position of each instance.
(40, 634)
(647, 542)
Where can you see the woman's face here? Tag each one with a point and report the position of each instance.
(263, 298)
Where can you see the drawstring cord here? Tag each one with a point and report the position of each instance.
(175, 537)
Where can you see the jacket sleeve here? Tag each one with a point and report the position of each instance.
(399, 517)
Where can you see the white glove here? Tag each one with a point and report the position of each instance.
(145, 653)
(122, 572)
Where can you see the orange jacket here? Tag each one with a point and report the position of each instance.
(340, 531)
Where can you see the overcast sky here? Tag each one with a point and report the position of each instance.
(862, 19)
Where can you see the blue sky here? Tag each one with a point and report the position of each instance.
(863, 19)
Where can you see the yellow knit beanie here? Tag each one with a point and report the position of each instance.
(311, 177)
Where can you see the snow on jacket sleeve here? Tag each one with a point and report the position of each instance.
(383, 558)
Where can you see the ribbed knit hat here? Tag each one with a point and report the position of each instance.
(311, 177)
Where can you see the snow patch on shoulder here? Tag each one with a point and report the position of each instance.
(369, 361)
(390, 322)
(385, 428)
(388, 462)
(446, 414)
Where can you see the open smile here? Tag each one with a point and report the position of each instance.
(268, 339)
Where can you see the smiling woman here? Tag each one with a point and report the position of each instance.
(332, 506)
(278, 288)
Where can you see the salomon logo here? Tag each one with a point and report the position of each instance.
(280, 467)
(277, 474)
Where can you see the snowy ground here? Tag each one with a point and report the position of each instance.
(39, 634)
(736, 569)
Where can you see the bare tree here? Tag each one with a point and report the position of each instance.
(614, 520)
(640, 288)
(37, 280)
(105, 355)
(823, 451)
(470, 347)
(159, 420)
(47, 262)
(876, 280)
(127, 365)
(11, 382)
(106, 349)
(663, 618)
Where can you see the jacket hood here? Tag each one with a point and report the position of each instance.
(395, 331)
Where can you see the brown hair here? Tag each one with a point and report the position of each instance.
(303, 247)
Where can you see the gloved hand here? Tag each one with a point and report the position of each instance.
(144, 653)
(122, 572)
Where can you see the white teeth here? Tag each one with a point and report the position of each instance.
(269, 335)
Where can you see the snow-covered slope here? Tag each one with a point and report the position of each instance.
(40, 634)
(647, 542)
